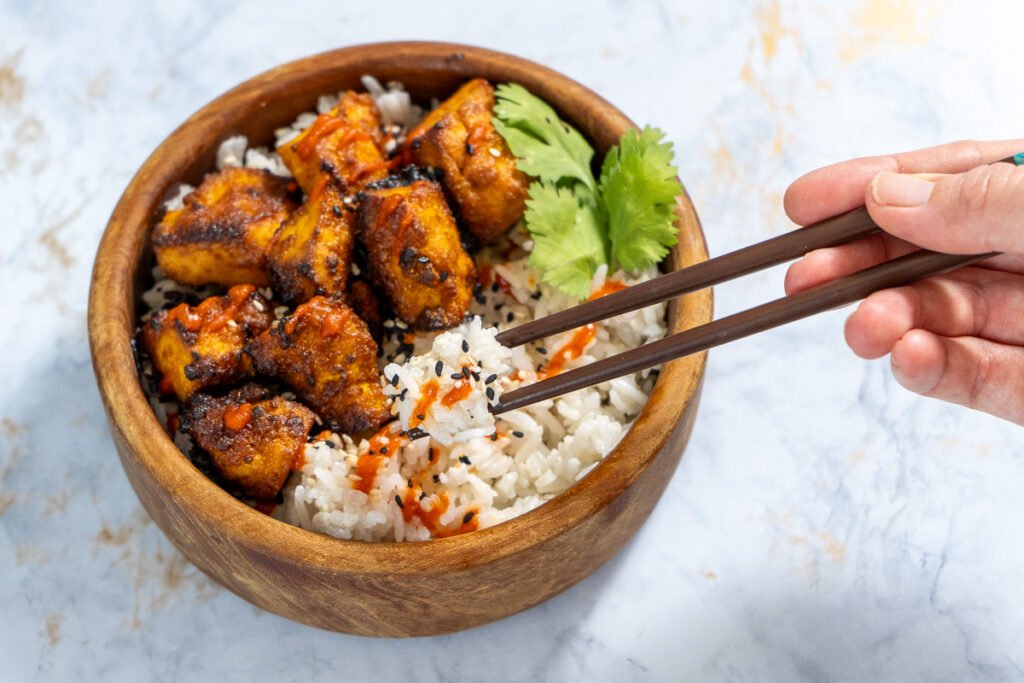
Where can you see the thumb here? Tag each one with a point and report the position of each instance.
(965, 213)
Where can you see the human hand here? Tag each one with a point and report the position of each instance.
(958, 337)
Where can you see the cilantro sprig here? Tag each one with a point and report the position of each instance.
(578, 223)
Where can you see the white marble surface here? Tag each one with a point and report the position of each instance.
(824, 524)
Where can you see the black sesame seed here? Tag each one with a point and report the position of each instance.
(438, 368)
(401, 396)
(490, 393)
(394, 380)
(437, 479)
(465, 346)
(423, 494)
(536, 295)
(494, 436)
(383, 450)
(408, 483)
(464, 459)
(468, 518)
(421, 417)
(494, 287)
(518, 434)
(372, 452)
(469, 149)
(430, 454)
(456, 375)
(465, 372)
(336, 210)
(542, 351)
(509, 318)
(398, 499)
(490, 378)
(476, 375)
(443, 276)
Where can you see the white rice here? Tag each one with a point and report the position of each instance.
(465, 358)
(474, 467)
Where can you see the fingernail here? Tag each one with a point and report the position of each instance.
(896, 189)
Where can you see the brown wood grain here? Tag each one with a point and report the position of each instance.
(377, 589)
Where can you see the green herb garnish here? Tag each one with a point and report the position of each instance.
(578, 224)
(569, 240)
(548, 148)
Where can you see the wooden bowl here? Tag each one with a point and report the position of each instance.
(377, 589)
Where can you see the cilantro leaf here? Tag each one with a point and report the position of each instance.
(547, 147)
(626, 220)
(569, 237)
(639, 189)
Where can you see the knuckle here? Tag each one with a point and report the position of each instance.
(970, 150)
(973, 191)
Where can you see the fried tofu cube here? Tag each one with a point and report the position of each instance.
(221, 234)
(254, 439)
(344, 142)
(415, 255)
(312, 251)
(480, 173)
(325, 353)
(197, 347)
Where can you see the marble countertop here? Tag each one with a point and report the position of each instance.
(824, 525)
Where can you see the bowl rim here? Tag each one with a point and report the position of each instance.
(112, 321)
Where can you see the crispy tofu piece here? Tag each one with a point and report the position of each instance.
(222, 233)
(325, 353)
(415, 255)
(345, 142)
(197, 347)
(254, 439)
(480, 173)
(312, 251)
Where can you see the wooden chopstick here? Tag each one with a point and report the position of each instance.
(830, 232)
(896, 273)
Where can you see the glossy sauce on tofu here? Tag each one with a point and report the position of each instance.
(416, 257)
(479, 171)
(197, 347)
(221, 234)
(326, 355)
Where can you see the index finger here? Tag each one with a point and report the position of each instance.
(834, 189)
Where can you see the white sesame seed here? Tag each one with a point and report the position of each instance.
(494, 152)
(259, 307)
